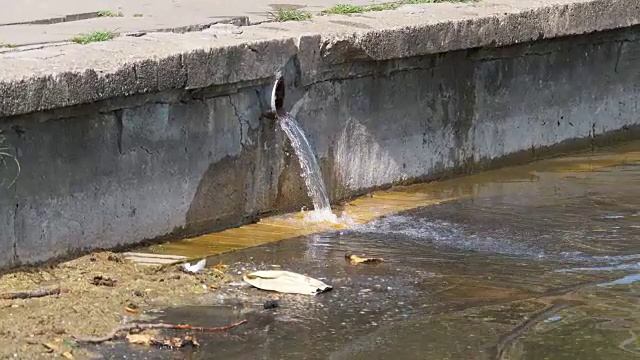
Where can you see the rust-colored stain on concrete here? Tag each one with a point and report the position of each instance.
(382, 203)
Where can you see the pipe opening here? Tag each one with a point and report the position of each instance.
(272, 98)
(277, 97)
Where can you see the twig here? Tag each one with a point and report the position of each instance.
(505, 342)
(30, 294)
(137, 326)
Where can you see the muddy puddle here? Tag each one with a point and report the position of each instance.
(542, 262)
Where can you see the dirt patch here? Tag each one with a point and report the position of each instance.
(97, 293)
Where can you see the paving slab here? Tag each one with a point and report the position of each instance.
(32, 22)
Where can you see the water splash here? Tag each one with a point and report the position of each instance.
(310, 170)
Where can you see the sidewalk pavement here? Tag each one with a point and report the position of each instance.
(33, 22)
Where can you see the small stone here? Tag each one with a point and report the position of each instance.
(271, 304)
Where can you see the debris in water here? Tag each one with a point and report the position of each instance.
(170, 342)
(271, 304)
(220, 266)
(139, 339)
(286, 282)
(355, 259)
(100, 280)
(199, 266)
(176, 342)
(139, 327)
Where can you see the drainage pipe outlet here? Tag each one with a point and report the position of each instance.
(273, 98)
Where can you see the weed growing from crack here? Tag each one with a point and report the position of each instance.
(346, 9)
(283, 15)
(95, 36)
(109, 13)
(435, 1)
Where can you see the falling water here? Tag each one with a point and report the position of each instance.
(310, 169)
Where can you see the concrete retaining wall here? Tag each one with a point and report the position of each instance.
(165, 135)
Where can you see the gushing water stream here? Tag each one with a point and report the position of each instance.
(310, 169)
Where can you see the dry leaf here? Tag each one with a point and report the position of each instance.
(172, 342)
(51, 347)
(67, 354)
(355, 259)
(131, 310)
(192, 340)
(140, 339)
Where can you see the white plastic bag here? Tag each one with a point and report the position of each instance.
(286, 282)
(195, 268)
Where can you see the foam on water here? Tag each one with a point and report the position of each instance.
(321, 215)
(327, 216)
(444, 233)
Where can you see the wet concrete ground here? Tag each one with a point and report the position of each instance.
(539, 262)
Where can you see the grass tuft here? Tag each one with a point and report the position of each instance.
(109, 13)
(95, 36)
(383, 6)
(283, 15)
(436, 1)
(346, 9)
